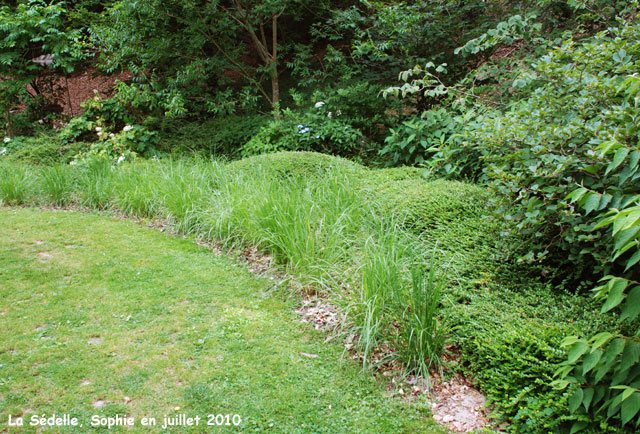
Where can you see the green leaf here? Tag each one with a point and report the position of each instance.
(569, 340)
(591, 203)
(588, 396)
(631, 307)
(590, 361)
(618, 158)
(614, 349)
(627, 392)
(575, 400)
(605, 222)
(600, 339)
(630, 407)
(576, 351)
(605, 199)
(577, 427)
(633, 260)
(576, 194)
(625, 236)
(630, 356)
(627, 221)
(633, 160)
(623, 249)
(603, 370)
(616, 294)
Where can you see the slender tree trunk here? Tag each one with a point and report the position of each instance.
(275, 87)
(275, 83)
(269, 57)
(9, 125)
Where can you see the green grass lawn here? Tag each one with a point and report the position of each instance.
(95, 310)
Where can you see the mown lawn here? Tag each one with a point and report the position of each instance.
(95, 310)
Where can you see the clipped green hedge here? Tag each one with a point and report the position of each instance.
(378, 177)
(424, 205)
(508, 333)
(296, 164)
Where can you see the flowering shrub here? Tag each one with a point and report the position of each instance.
(128, 143)
(321, 128)
(110, 130)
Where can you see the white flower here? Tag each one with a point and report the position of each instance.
(40, 121)
(120, 159)
(127, 128)
(98, 129)
(72, 163)
(112, 135)
(7, 139)
(319, 104)
(339, 113)
(329, 115)
(3, 151)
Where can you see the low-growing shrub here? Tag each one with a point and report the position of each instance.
(510, 341)
(317, 129)
(424, 205)
(417, 139)
(296, 164)
(43, 149)
(222, 136)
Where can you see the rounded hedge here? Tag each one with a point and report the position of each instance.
(296, 164)
(424, 205)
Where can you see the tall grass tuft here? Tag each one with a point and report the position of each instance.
(385, 255)
(308, 226)
(423, 334)
(58, 184)
(134, 189)
(185, 190)
(16, 184)
(96, 183)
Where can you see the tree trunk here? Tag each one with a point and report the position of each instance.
(275, 90)
(9, 125)
(275, 84)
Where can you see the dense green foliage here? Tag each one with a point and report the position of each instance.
(33, 38)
